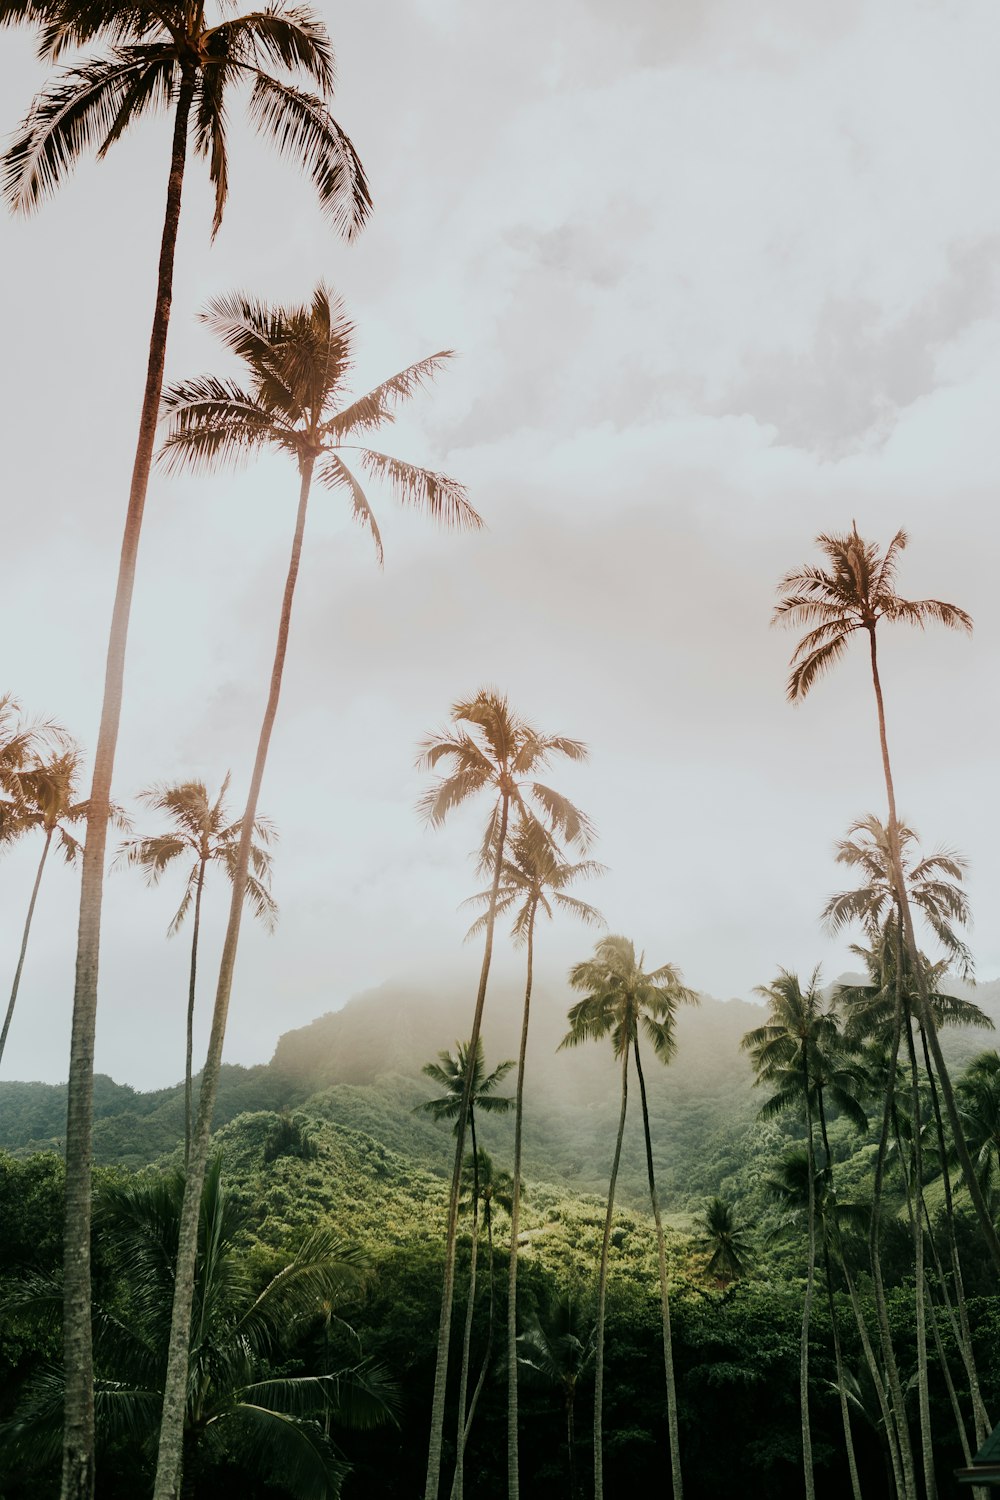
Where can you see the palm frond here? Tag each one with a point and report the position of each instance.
(334, 473)
(301, 126)
(444, 499)
(375, 408)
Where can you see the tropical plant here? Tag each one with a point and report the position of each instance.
(272, 1425)
(201, 831)
(21, 744)
(44, 798)
(558, 1346)
(855, 593)
(534, 876)
(979, 1102)
(170, 56)
(620, 1000)
(727, 1236)
(296, 359)
(450, 1074)
(799, 1052)
(489, 1185)
(499, 753)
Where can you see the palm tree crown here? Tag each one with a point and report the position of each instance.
(297, 361)
(533, 877)
(202, 832)
(160, 55)
(451, 1072)
(801, 1052)
(621, 998)
(854, 593)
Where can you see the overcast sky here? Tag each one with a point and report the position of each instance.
(720, 277)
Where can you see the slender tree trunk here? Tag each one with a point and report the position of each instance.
(458, 1483)
(838, 1360)
(807, 1458)
(602, 1288)
(888, 1352)
(78, 1425)
(24, 942)
(170, 1454)
(571, 1442)
(488, 1220)
(189, 1055)
(668, 1353)
(513, 1484)
(448, 1291)
(920, 1278)
(925, 1014)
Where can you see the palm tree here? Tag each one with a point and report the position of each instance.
(855, 593)
(798, 1051)
(44, 798)
(620, 999)
(167, 56)
(726, 1235)
(499, 753)
(236, 1408)
(296, 360)
(557, 1346)
(534, 875)
(449, 1073)
(495, 1191)
(21, 743)
(202, 832)
(979, 1093)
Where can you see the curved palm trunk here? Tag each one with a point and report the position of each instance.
(668, 1355)
(448, 1292)
(838, 1360)
(24, 943)
(807, 1458)
(78, 1425)
(925, 1015)
(602, 1288)
(170, 1454)
(189, 1054)
(513, 1484)
(458, 1484)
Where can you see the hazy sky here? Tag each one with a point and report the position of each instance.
(721, 277)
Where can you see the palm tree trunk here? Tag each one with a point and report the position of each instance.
(571, 1442)
(807, 1459)
(448, 1291)
(916, 1211)
(513, 1484)
(925, 1015)
(24, 943)
(885, 1334)
(838, 1360)
(189, 1055)
(668, 1354)
(488, 1220)
(458, 1482)
(78, 1424)
(170, 1454)
(602, 1288)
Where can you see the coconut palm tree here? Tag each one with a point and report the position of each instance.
(534, 877)
(202, 832)
(45, 798)
(501, 754)
(620, 1000)
(855, 593)
(275, 1427)
(727, 1236)
(557, 1346)
(173, 56)
(449, 1073)
(798, 1051)
(296, 361)
(979, 1095)
(21, 744)
(495, 1188)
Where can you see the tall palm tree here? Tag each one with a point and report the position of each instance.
(620, 1000)
(296, 361)
(45, 798)
(449, 1073)
(171, 56)
(727, 1236)
(855, 593)
(203, 833)
(21, 744)
(501, 754)
(979, 1095)
(275, 1426)
(798, 1052)
(493, 1188)
(534, 876)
